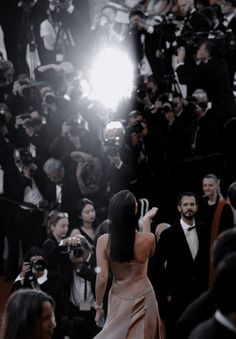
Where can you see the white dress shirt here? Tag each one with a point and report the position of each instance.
(191, 237)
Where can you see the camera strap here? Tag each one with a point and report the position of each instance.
(85, 289)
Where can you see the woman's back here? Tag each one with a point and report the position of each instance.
(130, 278)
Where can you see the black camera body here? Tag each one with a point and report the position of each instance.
(141, 92)
(76, 250)
(23, 157)
(137, 128)
(38, 265)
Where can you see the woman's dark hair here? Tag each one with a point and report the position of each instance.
(122, 226)
(21, 318)
(101, 229)
(80, 205)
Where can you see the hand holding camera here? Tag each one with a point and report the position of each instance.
(35, 268)
(26, 268)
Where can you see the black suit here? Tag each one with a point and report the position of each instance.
(178, 275)
(231, 52)
(70, 194)
(58, 261)
(213, 78)
(194, 22)
(212, 329)
(207, 136)
(198, 311)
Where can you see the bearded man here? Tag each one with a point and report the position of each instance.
(181, 262)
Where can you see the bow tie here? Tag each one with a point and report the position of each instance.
(191, 228)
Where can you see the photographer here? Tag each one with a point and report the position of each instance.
(32, 133)
(120, 172)
(82, 288)
(75, 32)
(145, 155)
(193, 20)
(35, 275)
(49, 31)
(55, 247)
(144, 40)
(28, 185)
(24, 97)
(212, 75)
(61, 189)
(6, 77)
(207, 132)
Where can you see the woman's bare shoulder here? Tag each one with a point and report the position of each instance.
(103, 239)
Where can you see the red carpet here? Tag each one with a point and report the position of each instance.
(4, 294)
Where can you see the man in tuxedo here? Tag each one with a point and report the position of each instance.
(181, 262)
(210, 74)
(61, 190)
(193, 20)
(207, 130)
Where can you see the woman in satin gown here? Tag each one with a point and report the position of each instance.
(132, 307)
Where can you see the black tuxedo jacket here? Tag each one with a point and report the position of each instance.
(194, 22)
(198, 311)
(213, 77)
(178, 275)
(212, 329)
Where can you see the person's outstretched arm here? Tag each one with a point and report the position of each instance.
(147, 219)
(102, 275)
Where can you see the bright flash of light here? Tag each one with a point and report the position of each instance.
(112, 77)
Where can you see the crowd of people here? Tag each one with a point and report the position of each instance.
(63, 184)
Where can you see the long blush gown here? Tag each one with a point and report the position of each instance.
(132, 307)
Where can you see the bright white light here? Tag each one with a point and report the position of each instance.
(111, 77)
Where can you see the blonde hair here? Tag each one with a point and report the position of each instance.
(53, 218)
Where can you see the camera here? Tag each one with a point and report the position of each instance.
(6, 72)
(38, 265)
(167, 107)
(191, 43)
(49, 98)
(76, 250)
(137, 128)
(23, 157)
(114, 134)
(141, 92)
(25, 116)
(168, 27)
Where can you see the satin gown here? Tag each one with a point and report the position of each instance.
(132, 307)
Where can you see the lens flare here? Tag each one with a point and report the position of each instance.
(111, 77)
